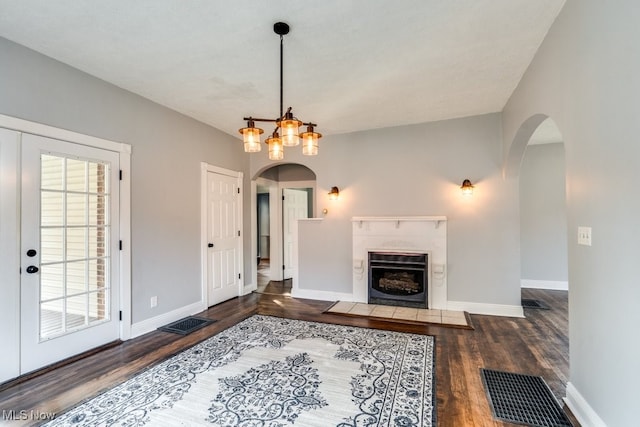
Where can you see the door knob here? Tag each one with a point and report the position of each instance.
(210, 245)
(31, 253)
(32, 269)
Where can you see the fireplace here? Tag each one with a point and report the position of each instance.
(409, 235)
(397, 278)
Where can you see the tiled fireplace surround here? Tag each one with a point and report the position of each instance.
(410, 234)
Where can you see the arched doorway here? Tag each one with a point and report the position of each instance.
(543, 215)
(283, 193)
(537, 161)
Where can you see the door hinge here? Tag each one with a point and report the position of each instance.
(120, 244)
(238, 233)
(238, 190)
(283, 266)
(282, 197)
(239, 276)
(120, 176)
(121, 315)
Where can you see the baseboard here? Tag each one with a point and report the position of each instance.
(583, 412)
(320, 295)
(545, 284)
(154, 323)
(489, 309)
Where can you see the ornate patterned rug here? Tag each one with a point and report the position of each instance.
(274, 372)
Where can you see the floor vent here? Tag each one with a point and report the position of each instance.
(534, 303)
(522, 399)
(187, 325)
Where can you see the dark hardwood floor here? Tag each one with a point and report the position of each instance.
(535, 345)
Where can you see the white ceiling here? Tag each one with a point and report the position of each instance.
(349, 64)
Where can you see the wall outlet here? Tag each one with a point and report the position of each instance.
(584, 236)
(154, 302)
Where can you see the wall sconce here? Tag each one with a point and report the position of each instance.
(467, 188)
(334, 194)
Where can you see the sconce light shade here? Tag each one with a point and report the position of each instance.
(275, 147)
(467, 188)
(334, 193)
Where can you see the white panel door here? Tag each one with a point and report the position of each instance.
(294, 206)
(223, 238)
(69, 250)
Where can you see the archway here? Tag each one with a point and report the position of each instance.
(543, 215)
(272, 217)
(537, 160)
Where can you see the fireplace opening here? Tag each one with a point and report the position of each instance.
(398, 279)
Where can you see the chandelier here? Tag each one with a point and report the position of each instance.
(286, 133)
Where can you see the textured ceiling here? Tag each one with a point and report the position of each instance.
(349, 65)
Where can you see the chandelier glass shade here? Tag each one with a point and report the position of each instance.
(289, 128)
(310, 141)
(251, 138)
(276, 151)
(286, 133)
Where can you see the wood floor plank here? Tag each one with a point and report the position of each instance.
(535, 345)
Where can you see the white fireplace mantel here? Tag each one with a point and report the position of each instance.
(398, 218)
(420, 234)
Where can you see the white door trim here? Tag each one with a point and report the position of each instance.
(10, 252)
(124, 151)
(26, 126)
(204, 169)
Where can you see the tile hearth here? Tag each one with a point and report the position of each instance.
(445, 317)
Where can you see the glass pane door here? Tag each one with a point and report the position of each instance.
(69, 285)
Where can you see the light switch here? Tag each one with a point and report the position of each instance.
(584, 236)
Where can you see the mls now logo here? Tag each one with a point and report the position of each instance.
(27, 415)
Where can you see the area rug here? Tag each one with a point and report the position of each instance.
(274, 372)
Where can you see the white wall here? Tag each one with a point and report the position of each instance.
(543, 216)
(585, 77)
(416, 170)
(167, 149)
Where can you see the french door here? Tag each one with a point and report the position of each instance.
(69, 250)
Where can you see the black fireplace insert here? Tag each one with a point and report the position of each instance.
(398, 279)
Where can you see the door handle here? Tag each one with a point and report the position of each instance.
(32, 269)
(210, 245)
